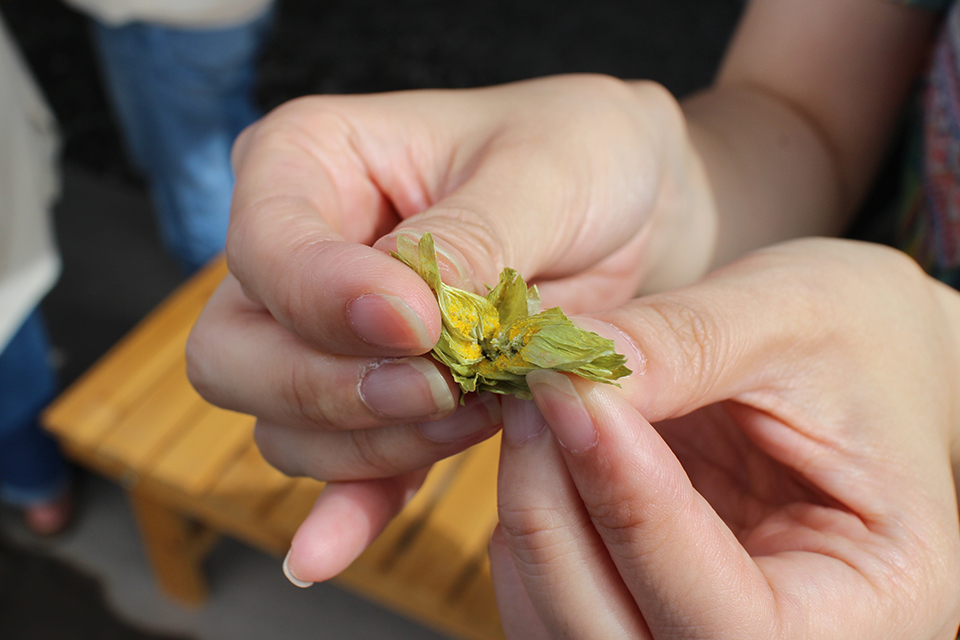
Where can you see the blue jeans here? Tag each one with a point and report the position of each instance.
(31, 467)
(181, 97)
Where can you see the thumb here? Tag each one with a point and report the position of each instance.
(757, 325)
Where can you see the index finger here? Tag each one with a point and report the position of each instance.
(303, 212)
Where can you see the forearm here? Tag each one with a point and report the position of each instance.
(801, 113)
(949, 300)
(740, 170)
(771, 173)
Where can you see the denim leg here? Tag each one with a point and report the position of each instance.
(182, 96)
(31, 467)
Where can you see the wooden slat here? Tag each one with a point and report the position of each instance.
(113, 385)
(195, 461)
(475, 608)
(248, 486)
(458, 528)
(284, 517)
(165, 412)
(385, 551)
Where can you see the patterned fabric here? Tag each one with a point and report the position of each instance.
(929, 228)
(931, 221)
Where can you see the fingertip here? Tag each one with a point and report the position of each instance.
(479, 416)
(605, 327)
(351, 299)
(388, 321)
(327, 542)
(291, 576)
(343, 521)
(386, 305)
(522, 421)
(559, 400)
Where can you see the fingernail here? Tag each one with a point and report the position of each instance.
(451, 266)
(406, 388)
(480, 411)
(522, 421)
(303, 584)
(387, 321)
(561, 405)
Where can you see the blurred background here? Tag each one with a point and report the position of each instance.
(93, 582)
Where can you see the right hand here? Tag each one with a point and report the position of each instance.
(784, 466)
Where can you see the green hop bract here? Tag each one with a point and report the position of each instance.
(491, 342)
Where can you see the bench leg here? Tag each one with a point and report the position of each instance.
(176, 547)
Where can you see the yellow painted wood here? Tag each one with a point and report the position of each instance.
(113, 385)
(165, 412)
(198, 508)
(248, 486)
(193, 471)
(175, 548)
(475, 607)
(285, 516)
(204, 451)
(89, 416)
(458, 528)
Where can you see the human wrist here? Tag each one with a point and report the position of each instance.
(950, 302)
(684, 218)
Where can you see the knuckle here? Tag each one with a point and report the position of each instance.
(625, 521)
(618, 517)
(302, 397)
(523, 525)
(697, 339)
(277, 456)
(538, 537)
(372, 456)
(198, 357)
(299, 119)
(907, 269)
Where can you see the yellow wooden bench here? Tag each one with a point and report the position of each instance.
(192, 472)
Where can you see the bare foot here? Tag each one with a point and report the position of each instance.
(49, 518)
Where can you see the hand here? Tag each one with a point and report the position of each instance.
(585, 184)
(781, 467)
(591, 187)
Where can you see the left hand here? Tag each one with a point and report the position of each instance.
(780, 468)
(587, 185)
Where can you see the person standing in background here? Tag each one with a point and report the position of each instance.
(33, 474)
(181, 75)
